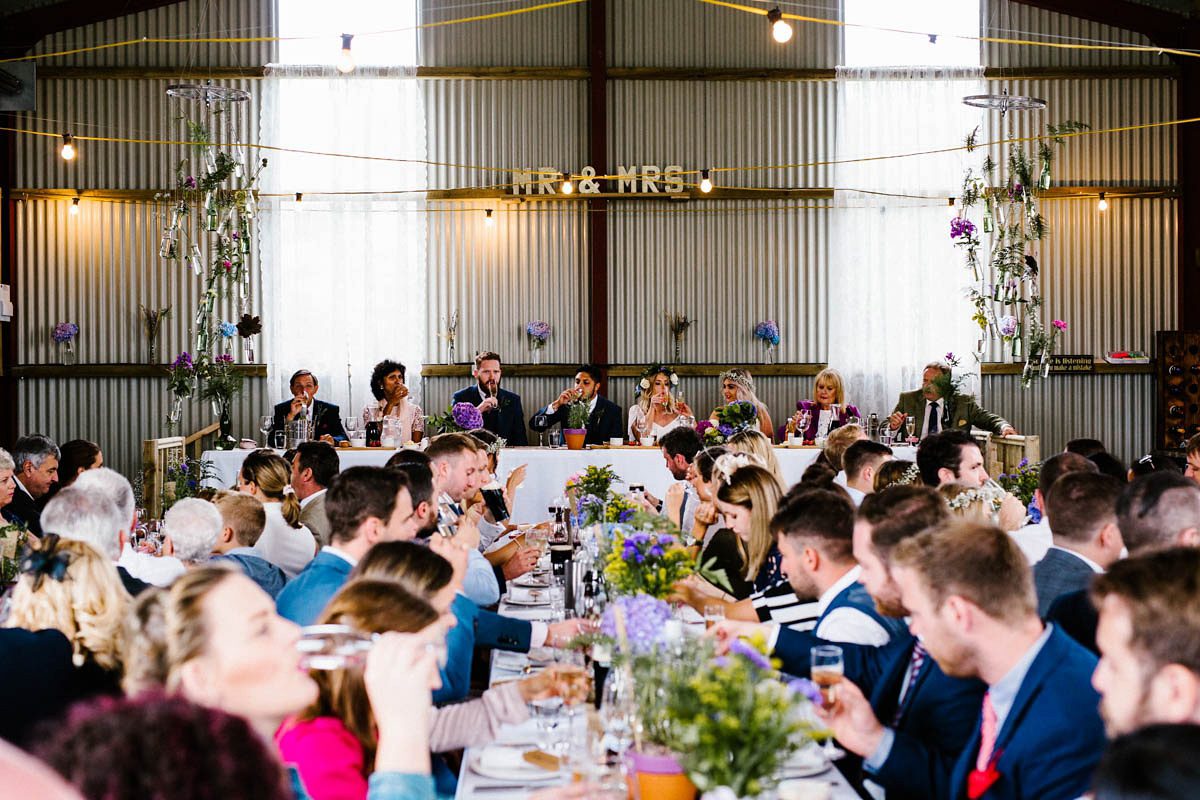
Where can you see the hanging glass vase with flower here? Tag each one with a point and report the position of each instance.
(64, 334)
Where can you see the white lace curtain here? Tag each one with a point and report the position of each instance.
(343, 274)
(895, 280)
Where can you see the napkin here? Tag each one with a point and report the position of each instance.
(503, 758)
(521, 594)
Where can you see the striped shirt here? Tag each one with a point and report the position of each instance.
(779, 603)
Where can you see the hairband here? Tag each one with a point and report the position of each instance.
(45, 561)
(744, 381)
(909, 475)
(730, 463)
(494, 447)
(988, 494)
(287, 489)
(653, 370)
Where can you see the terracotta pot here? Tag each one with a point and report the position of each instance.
(660, 777)
(574, 438)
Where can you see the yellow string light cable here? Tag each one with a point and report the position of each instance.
(1134, 48)
(255, 39)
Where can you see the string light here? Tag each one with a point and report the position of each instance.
(68, 148)
(780, 29)
(346, 59)
(1102, 205)
(567, 186)
(953, 210)
(488, 219)
(74, 210)
(705, 181)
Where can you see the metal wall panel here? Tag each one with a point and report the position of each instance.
(684, 33)
(556, 37)
(119, 413)
(191, 19)
(1116, 409)
(124, 109)
(94, 269)
(530, 264)
(728, 269)
(503, 124)
(727, 124)
(1013, 20)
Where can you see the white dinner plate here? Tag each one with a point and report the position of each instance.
(805, 763)
(528, 581)
(529, 597)
(525, 773)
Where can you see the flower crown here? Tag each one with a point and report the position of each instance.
(909, 476)
(653, 370)
(494, 447)
(741, 379)
(730, 463)
(988, 494)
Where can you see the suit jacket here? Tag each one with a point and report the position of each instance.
(312, 516)
(501, 632)
(25, 508)
(1053, 735)
(134, 586)
(1058, 573)
(603, 424)
(938, 715)
(1074, 613)
(327, 415)
(270, 578)
(36, 678)
(961, 414)
(507, 422)
(306, 595)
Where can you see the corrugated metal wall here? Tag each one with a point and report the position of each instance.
(555, 37)
(1011, 20)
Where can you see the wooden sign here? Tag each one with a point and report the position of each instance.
(1069, 365)
(647, 178)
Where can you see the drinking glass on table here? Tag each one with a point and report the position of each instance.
(556, 438)
(265, 423)
(827, 670)
(418, 428)
(713, 614)
(540, 421)
(278, 440)
(910, 427)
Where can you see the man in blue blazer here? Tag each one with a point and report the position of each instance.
(1082, 511)
(501, 409)
(604, 416)
(970, 597)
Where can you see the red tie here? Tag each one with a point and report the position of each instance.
(987, 734)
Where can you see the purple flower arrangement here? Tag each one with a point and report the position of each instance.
(65, 332)
(1008, 326)
(644, 618)
(538, 330)
(466, 416)
(961, 226)
(183, 375)
(768, 331)
(224, 358)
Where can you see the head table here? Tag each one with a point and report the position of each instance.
(548, 469)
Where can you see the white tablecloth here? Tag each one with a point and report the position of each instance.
(549, 469)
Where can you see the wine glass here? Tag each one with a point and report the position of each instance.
(265, 423)
(540, 421)
(910, 427)
(827, 670)
(805, 421)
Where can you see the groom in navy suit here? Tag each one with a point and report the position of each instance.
(604, 416)
(501, 409)
(969, 593)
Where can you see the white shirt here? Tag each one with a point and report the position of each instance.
(856, 495)
(847, 624)
(286, 547)
(304, 503)
(342, 554)
(155, 570)
(940, 403)
(550, 409)
(1034, 540)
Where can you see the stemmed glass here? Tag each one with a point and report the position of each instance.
(910, 427)
(805, 421)
(827, 670)
(265, 423)
(540, 421)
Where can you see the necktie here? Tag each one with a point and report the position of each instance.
(933, 417)
(914, 667)
(987, 734)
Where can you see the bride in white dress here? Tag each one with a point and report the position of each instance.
(657, 410)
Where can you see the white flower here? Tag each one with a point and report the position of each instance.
(645, 384)
(674, 379)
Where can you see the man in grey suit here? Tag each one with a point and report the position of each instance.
(1082, 510)
(314, 467)
(959, 412)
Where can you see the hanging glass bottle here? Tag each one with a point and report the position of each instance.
(195, 261)
(210, 210)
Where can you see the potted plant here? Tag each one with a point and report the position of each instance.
(576, 429)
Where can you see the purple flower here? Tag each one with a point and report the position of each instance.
(949, 357)
(807, 688)
(666, 539)
(1058, 323)
(189, 182)
(768, 331)
(703, 425)
(224, 358)
(183, 361)
(725, 430)
(655, 550)
(538, 329)
(466, 416)
(625, 515)
(1008, 326)
(961, 226)
(1024, 463)
(65, 331)
(644, 619)
(750, 652)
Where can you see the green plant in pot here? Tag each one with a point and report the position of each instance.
(575, 431)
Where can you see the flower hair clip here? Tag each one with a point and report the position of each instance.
(494, 447)
(909, 476)
(647, 377)
(44, 561)
(988, 494)
(738, 377)
(730, 463)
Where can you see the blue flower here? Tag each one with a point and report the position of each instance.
(656, 551)
(625, 515)
(807, 688)
(750, 652)
(226, 329)
(666, 539)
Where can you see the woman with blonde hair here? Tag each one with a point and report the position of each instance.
(737, 385)
(747, 498)
(657, 409)
(214, 637)
(284, 542)
(758, 445)
(983, 504)
(829, 390)
(69, 586)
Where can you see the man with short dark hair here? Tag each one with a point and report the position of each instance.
(1082, 507)
(326, 417)
(860, 462)
(960, 412)
(951, 457)
(501, 409)
(679, 447)
(242, 523)
(365, 505)
(969, 593)
(1149, 638)
(1035, 538)
(814, 531)
(604, 416)
(1192, 470)
(422, 489)
(314, 467)
(1084, 447)
(36, 459)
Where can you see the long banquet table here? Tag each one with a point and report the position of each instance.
(548, 470)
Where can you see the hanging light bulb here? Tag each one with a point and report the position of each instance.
(345, 62)
(705, 181)
(68, 148)
(952, 210)
(780, 29)
(488, 219)
(74, 210)
(1102, 205)
(299, 197)
(567, 185)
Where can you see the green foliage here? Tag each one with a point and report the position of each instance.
(644, 562)
(185, 479)
(1022, 483)
(593, 480)
(13, 536)
(577, 415)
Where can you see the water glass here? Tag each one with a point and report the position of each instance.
(278, 440)
(556, 438)
(712, 615)
(547, 715)
(558, 600)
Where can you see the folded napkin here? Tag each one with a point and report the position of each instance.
(503, 758)
(525, 595)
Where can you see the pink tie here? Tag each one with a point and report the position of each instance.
(987, 734)
(914, 667)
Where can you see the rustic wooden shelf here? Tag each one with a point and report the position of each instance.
(621, 370)
(114, 370)
(1102, 368)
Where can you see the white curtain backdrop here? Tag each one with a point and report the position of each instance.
(895, 279)
(343, 274)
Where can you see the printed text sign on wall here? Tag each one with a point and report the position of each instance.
(646, 179)
(1063, 364)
